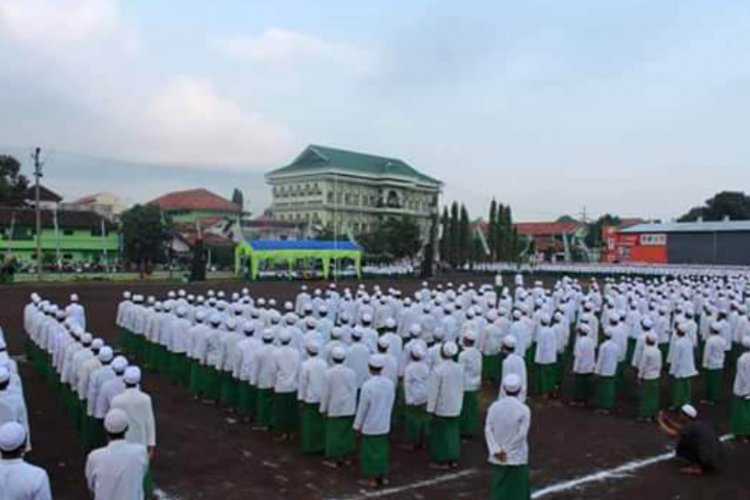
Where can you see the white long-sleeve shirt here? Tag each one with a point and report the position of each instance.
(650, 363)
(514, 364)
(683, 360)
(742, 378)
(714, 353)
(606, 362)
(287, 369)
(506, 430)
(584, 356)
(116, 471)
(142, 426)
(471, 361)
(445, 389)
(311, 379)
(416, 375)
(263, 371)
(339, 397)
(357, 358)
(246, 348)
(20, 480)
(546, 348)
(375, 406)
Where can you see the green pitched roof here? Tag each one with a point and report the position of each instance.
(316, 157)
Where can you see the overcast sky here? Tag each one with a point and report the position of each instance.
(635, 107)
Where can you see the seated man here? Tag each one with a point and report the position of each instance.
(698, 442)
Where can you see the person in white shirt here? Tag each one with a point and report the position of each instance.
(445, 394)
(141, 422)
(714, 353)
(310, 392)
(19, 480)
(373, 423)
(263, 378)
(545, 358)
(117, 471)
(649, 378)
(513, 363)
(286, 415)
(416, 375)
(584, 362)
(76, 311)
(606, 374)
(12, 405)
(338, 405)
(470, 360)
(506, 433)
(681, 369)
(740, 423)
(242, 370)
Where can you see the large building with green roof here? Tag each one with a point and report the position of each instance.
(350, 192)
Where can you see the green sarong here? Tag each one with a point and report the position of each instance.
(264, 408)
(714, 385)
(491, 367)
(631, 350)
(606, 392)
(373, 456)
(285, 413)
(312, 439)
(340, 440)
(178, 368)
(416, 424)
(230, 390)
(246, 398)
(740, 421)
(212, 383)
(648, 404)
(470, 414)
(547, 378)
(196, 378)
(148, 484)
(98, 435)
(681, 392)
(582, 392)
(510, 482)
(445, 439)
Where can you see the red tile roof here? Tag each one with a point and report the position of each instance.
(546, 228)
(196, 199)
(66, 219)
(45, 194)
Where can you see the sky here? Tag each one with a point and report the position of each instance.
(631, 107)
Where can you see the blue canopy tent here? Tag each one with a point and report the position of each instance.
(290, 252)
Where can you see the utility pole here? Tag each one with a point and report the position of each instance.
(38, 175)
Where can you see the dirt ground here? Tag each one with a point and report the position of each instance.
(203, 453)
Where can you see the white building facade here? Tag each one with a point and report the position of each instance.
(350, 193)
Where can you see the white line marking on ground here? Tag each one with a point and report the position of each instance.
(162, 495)
(619, 472)
(413, 486)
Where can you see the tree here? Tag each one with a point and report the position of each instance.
(566, 219)
(594, 237)
(13, 185)
(445, 222)
(464, 236)
(492, 230)
(732, 204)
(397, 238)
(453, 236)
(238, 198)
(145, 233)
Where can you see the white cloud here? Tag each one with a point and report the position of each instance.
(47, 24)
(289, 48)
(189, 122)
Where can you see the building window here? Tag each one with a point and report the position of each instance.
(68, 232)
